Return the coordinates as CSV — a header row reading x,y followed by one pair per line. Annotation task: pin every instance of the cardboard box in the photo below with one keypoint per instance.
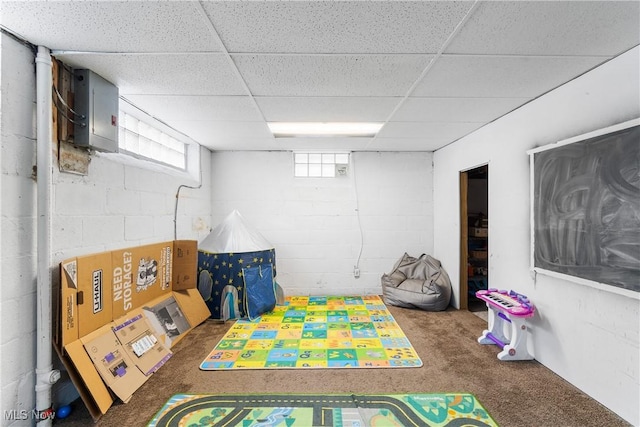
x,y
139,275
113,363
168,320
111,297
86,294
478,232
185,265
141,344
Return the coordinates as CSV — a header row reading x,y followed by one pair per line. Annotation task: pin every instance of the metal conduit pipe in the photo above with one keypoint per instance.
x,y
45,375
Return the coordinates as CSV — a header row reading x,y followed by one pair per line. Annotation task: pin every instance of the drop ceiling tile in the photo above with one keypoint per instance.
x,y
407,144
198,107
216,132
335,144
241,144
170,74
500,76
427,130
327,109
110,26
329,61
573,28
479,110
335,27
330,75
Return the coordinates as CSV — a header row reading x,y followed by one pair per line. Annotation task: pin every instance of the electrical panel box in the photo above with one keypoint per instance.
x,y
96,101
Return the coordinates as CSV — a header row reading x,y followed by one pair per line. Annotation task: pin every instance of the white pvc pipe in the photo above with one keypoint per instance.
x,y
45,376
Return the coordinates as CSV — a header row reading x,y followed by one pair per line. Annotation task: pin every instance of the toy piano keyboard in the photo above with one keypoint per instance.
x,y
513,308
511,302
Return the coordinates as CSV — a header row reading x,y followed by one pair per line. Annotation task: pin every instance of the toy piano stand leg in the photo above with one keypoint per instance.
x,y
501,312
517,348
495,335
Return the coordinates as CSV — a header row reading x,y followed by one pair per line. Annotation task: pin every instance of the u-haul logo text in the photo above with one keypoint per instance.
x,y
97,291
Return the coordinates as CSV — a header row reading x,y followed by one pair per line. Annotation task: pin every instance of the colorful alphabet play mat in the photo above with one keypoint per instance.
x,y
316,332
339,410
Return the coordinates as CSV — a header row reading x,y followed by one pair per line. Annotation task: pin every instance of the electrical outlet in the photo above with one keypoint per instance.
x,y
356,272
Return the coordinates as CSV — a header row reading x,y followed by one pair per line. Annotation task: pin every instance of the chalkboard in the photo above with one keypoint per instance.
x,y
586,207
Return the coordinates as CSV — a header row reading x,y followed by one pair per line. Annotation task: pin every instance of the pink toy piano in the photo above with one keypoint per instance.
x,y
507,307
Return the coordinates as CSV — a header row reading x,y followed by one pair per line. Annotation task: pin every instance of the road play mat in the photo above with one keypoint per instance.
x,y
316,332
339,410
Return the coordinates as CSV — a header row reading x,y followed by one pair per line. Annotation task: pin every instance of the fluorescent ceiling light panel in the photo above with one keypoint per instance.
x,y
323,129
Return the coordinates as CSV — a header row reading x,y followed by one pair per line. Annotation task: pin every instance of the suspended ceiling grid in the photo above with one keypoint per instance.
x,y
431,71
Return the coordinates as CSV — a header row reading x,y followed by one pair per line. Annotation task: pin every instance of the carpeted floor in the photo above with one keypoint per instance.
x,y
518,394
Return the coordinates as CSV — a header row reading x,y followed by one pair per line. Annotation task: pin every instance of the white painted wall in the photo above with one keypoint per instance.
x,y
119,204
313,223
588,336
2,91
122,204
17,247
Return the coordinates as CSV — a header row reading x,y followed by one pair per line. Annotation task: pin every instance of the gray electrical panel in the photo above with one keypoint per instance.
x,y
96,101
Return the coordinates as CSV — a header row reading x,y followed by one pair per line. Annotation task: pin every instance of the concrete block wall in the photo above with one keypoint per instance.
x,y
18,228
121,203
313,222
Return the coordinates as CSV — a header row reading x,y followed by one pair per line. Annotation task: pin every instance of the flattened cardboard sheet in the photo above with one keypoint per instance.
x,y
193,306
185,265
113,363
85,377
139,275
68,322
94,293
86,295
140,343
99,288
168,320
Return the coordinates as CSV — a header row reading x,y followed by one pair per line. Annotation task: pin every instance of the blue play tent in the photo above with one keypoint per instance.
x,y
231,259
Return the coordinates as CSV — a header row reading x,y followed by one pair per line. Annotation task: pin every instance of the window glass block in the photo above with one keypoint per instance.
x,y
328,158
301,170
342,158
315,170
144,139
328,171
315,158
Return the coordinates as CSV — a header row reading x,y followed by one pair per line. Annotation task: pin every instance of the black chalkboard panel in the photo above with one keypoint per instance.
x,y
586,208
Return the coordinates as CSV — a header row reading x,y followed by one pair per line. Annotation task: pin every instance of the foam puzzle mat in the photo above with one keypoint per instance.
x,y
339,410
316,332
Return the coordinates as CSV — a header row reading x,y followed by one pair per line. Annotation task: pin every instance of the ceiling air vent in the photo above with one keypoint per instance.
x,y
342,169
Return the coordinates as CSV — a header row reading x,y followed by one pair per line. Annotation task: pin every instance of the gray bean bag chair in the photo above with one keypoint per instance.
x,y
417,283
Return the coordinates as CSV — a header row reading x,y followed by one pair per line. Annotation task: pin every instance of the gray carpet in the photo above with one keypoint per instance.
x,y
521,394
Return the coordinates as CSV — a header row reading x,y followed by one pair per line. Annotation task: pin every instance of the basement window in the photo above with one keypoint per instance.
x,y
320,165
145,137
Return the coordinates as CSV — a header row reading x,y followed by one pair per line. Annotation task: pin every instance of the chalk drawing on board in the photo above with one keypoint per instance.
x,y
586,208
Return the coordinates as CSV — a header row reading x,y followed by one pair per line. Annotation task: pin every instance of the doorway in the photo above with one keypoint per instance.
x,y
474,236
